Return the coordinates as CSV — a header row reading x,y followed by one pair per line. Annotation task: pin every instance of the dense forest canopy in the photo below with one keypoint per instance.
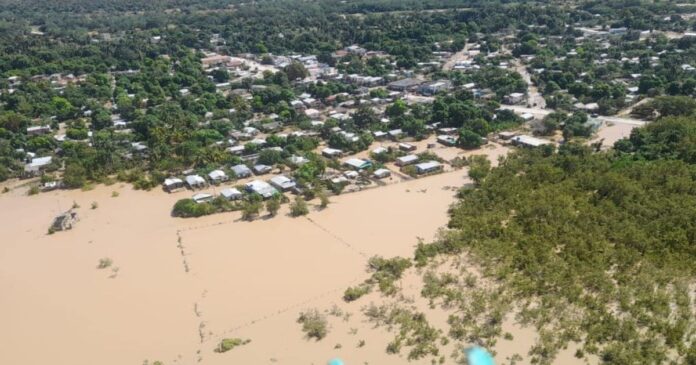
x,y
596,248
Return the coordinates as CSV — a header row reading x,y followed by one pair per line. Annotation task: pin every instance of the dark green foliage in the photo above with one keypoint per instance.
x,y
602,235
668,138
187,208
479,168
228,344
469,139
355,292
385,272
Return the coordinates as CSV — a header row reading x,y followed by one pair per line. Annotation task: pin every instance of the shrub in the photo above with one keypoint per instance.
x,y
299,207
104,263
75,176
387,271
228,344
95,205
250,210
355,292
314,324
410,170
272,206
187,208
323,199
33,190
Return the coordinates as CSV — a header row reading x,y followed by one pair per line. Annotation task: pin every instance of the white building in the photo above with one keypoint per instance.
x,y
195,182
283,183
217,176
262,188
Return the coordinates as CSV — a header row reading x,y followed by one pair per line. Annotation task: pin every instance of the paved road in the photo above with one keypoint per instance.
x,y
540,113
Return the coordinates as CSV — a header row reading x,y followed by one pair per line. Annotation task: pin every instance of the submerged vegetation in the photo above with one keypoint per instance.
x,y
314,324
594,248
228,344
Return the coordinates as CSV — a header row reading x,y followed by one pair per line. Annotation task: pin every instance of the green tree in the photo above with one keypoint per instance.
x,y
295,71
479,168
468,139
75,175
299,207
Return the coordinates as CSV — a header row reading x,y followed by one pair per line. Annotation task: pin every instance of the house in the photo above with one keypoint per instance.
x,y
357,163
434,87
261,169
38,130
215,60
312,113
258,141
379,134
241,171
590,107
64,221
404,85
528,141
527,117
381,173
351,175
202,198
271,126
236,150
407,147
297,160
231,194
514,98
262,188
217,176
140,148
406,160
297,105
172,184
380,150
37,164
396,133
428,167
283,183
195,182
447,140
506,135
356,50
331,152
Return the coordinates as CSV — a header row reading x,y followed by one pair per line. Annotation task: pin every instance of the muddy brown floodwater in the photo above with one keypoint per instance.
x,y
176,287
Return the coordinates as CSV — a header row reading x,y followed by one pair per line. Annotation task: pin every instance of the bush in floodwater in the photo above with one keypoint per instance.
x,y
228,344
355,292
299,207
314,324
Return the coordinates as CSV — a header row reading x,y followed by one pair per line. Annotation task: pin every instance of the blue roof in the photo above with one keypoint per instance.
x,y
479,356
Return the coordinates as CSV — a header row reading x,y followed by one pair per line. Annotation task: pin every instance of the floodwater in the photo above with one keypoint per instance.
x,y
176,287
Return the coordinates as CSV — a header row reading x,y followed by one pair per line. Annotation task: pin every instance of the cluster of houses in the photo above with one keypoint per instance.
x,y
58,81
266,189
